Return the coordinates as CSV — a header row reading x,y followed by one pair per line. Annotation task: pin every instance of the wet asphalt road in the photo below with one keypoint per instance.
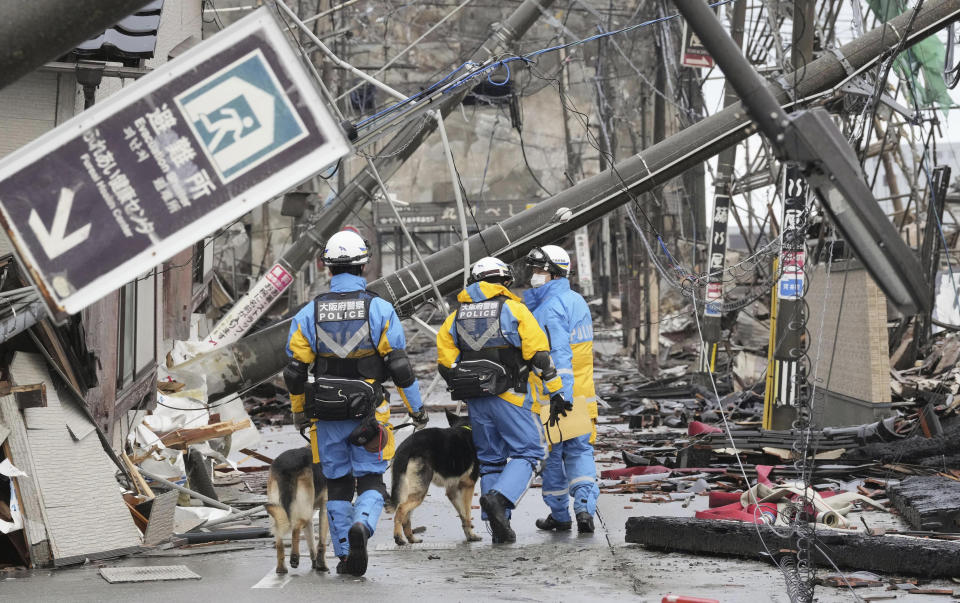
x,y
540,567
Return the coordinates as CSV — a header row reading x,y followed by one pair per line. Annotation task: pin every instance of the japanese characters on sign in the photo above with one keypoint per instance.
x,y
164,162
718,249
791,282
242,316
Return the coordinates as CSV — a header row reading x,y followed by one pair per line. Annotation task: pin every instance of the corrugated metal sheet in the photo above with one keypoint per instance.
x,y
85,514
147,573
162,511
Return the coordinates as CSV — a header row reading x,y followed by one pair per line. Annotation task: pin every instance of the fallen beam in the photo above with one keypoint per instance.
x,y
888,554
928,503
183,437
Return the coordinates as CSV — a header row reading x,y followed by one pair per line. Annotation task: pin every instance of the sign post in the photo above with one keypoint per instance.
x,y
165,162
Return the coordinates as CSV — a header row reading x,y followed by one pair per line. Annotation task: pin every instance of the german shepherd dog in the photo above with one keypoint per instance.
x,y
295,488
446,457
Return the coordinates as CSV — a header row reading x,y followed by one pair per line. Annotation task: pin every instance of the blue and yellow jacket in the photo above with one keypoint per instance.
x,y
565,316
383,319
517,325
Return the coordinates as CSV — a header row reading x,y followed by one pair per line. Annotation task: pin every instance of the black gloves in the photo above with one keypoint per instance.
x,y
558,408
300,421
369,434
419,418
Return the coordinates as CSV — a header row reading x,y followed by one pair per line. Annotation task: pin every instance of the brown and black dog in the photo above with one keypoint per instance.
x,y
446,457
296,487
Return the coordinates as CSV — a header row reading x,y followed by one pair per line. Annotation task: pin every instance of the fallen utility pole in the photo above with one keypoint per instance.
x,y
360,189
251,360
898,555
36,31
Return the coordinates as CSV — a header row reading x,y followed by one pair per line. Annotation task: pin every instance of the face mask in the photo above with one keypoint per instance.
x,y
538,280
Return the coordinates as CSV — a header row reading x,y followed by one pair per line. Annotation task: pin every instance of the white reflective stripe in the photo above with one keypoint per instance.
x,y
343,350
563,492
478,344
565,371
581,479
584,398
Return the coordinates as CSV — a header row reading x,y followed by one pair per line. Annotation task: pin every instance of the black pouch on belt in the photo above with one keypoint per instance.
x,y
338,399
477,379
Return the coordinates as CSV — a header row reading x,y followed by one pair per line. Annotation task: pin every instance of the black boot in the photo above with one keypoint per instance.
x,y
495,505
552,524
342,566
356,561
584,523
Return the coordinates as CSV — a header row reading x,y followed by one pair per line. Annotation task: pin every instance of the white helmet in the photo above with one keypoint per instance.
x,y
490,267
551,258
346,248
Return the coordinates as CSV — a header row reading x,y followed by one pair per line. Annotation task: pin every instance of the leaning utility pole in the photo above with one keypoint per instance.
x,y
253,359
716,255
789,377
361,188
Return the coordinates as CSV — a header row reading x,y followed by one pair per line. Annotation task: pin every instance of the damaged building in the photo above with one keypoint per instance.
x,y
757,202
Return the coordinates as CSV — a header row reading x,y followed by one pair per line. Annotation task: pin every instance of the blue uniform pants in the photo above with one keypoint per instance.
x,y
510,444
570,472
339,458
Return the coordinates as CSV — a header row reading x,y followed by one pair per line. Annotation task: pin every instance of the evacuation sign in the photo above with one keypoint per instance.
x,y
694,53
165,162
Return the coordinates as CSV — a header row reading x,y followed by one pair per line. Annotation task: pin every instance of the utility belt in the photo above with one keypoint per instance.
x,y
340,398
482,378
366,367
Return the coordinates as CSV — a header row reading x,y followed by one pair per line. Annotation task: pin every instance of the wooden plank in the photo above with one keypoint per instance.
x,y
17,449
52,343
138,480
260,457
181,438
101,323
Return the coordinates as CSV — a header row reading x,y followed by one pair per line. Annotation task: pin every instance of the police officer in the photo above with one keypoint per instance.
x,y
564,315
486,351
351,341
